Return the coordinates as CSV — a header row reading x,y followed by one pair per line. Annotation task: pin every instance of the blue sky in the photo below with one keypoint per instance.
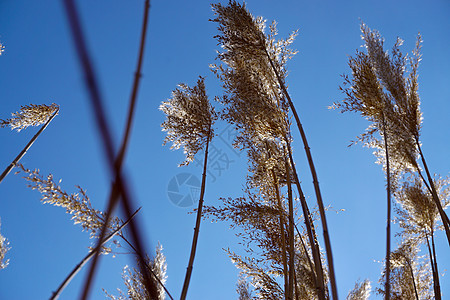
x,y
39,66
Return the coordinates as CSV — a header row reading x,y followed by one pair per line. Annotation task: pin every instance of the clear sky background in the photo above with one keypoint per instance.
x,y
39,66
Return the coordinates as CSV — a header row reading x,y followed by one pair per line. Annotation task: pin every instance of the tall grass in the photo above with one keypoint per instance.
x,y
277,225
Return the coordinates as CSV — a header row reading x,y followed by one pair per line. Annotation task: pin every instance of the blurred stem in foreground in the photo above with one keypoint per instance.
x,y
120,185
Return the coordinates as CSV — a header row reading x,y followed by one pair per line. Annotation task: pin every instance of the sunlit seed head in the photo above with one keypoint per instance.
x,y
189,119
30,115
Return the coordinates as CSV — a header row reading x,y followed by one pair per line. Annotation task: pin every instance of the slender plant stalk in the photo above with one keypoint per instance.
x,y
80,265
320,285
27,147
97,104
197,224
412,276
315,182
148,268
297,291
306,253
424,181
388,218
433,269
283,240
291,233
443,215
438,286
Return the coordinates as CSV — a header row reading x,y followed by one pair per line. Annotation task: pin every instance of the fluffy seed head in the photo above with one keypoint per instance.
x,y
30,115
189,119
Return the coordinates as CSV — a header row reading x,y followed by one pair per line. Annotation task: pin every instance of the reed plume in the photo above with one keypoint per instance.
x,y
3,249
134,280
243,288
29,115
189,119
361,291
410,274
77,204
257,216
419,217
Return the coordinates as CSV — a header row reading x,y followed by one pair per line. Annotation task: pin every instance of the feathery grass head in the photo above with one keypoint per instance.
x,y
2,48
304,274
419,215
392,72
78,204
243,288
266,160
189,120
134,280
30,115
3,249
240,31
382,92
242,37
263,279
254,101
410,273
257,215
361,291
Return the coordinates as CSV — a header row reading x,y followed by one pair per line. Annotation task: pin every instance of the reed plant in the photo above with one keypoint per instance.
x,y
253,74
189,124
29,115
383,91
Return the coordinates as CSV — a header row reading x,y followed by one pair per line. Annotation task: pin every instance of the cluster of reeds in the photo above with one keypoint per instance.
x,y
278,226
383,88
